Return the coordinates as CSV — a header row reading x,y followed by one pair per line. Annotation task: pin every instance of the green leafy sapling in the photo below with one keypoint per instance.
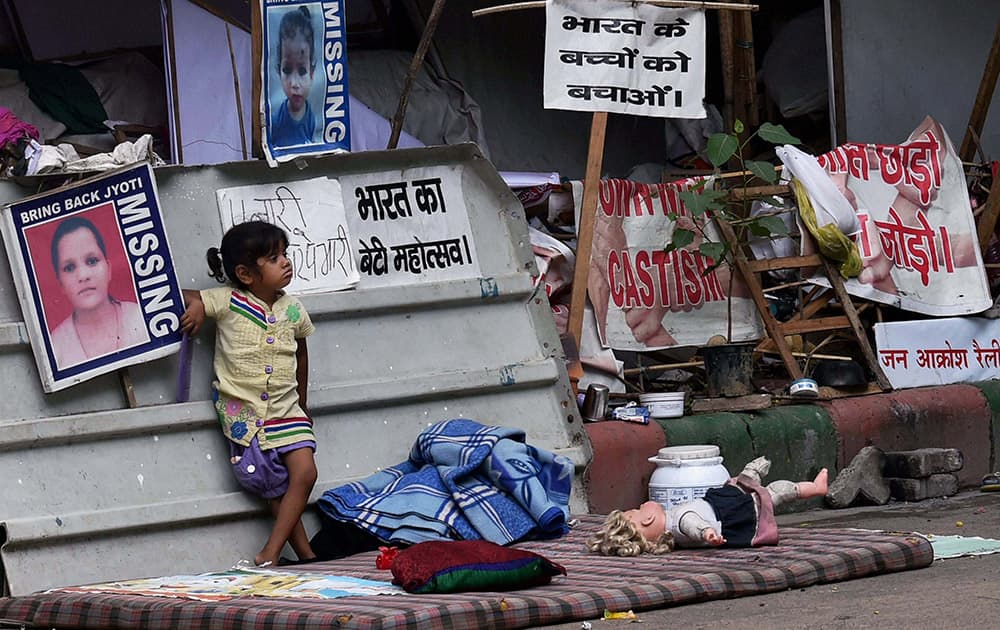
x,y
705,202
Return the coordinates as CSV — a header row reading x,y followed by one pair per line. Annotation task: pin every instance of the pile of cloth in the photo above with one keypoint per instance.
x,y
462,481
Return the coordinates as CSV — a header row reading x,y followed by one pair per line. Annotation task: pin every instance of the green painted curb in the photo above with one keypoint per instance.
x,y
798,439
991,392
728,431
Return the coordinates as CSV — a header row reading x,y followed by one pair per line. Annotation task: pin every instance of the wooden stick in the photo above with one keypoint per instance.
x,y
661,367
236,84
585,238
807,355
988,219
981,106
411,74
125,380
682,4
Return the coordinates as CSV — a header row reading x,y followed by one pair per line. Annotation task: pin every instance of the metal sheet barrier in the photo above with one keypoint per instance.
x,y
96,491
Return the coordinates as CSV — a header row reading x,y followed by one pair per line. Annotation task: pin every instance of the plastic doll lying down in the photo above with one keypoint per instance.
x,y
739,514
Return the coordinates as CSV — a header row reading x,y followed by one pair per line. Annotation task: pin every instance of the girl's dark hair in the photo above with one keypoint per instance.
x,y
68,226
243,244
292,23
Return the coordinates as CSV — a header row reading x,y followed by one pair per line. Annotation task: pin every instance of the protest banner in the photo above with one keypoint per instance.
x,y
629,58
411,227
304,95
645,298
94,276
918,238
939,351
311,212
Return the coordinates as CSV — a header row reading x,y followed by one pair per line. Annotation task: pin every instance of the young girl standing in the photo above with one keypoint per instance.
x,y
261,370
293,122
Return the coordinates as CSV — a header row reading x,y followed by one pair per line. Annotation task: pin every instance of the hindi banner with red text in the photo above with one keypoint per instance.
x,y
918,237
645,298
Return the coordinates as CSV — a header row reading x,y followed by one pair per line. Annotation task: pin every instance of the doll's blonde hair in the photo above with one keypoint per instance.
x,y
619,537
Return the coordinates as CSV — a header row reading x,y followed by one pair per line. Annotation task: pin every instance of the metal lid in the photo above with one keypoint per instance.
x,y
692,451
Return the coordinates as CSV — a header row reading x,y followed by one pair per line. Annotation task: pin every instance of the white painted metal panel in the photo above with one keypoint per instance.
x,y
94,491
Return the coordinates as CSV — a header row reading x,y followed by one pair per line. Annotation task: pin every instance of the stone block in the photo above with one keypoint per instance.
x,y
922,462
939,485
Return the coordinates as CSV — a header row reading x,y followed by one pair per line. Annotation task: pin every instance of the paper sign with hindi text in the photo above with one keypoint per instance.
x,y
411,226
624,57
939,351
312,214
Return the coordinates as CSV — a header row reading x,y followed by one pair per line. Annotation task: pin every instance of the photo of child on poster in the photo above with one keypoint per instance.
x,y
94,276
304,72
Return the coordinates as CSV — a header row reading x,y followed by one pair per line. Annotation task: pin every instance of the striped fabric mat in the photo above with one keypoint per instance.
x,y
593,584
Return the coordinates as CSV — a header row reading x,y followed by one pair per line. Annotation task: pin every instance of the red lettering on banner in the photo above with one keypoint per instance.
x,y
914,247
622,198
647,296
916,163
865,244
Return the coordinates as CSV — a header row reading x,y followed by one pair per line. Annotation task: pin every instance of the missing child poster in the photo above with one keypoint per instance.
x,y
624,57
311,212
304,95
94,276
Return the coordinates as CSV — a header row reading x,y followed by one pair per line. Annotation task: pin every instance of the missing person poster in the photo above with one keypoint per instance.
x,y
94,276
304,96
628,58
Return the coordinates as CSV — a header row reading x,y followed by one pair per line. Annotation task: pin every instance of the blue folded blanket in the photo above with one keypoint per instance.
x,y
463,481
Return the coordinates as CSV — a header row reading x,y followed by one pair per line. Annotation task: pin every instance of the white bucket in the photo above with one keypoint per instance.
x,y
664,405
685,473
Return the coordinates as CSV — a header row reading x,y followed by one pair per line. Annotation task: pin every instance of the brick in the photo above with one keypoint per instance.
x,y
862,477
939,485
922,462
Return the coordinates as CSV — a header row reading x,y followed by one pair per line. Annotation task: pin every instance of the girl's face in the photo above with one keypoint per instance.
x,y
296,72
83,271
274,272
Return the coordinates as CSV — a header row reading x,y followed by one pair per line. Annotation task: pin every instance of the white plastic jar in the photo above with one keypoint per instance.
x,y
684,473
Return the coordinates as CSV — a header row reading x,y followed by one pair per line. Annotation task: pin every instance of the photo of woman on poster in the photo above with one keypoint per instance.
x,y
293,44
100,323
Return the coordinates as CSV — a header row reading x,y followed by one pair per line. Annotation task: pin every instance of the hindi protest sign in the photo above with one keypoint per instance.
x,y
94,276
648,299
411,227
304,96
312,214
918,238
628,58
939,351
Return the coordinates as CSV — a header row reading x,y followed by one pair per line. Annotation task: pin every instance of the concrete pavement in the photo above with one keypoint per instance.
x,y
802,438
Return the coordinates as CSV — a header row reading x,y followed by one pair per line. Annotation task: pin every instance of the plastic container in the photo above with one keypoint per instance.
x,y
665,405
684,473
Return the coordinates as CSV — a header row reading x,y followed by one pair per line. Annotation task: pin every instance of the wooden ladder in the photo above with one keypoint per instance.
x,y
750,270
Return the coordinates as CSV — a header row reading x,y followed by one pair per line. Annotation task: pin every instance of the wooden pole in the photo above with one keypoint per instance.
x,y
236,85
988,219
679,4
981,106
411,74
257,54
585,233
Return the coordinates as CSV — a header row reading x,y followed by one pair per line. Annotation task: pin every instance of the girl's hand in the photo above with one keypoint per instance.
x,y
194,314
